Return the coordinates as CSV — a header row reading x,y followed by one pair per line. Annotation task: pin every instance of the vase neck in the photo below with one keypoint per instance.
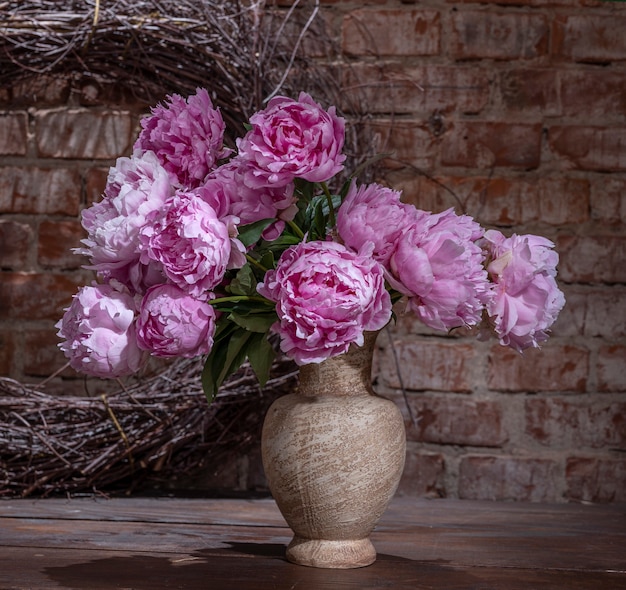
x,y
343,375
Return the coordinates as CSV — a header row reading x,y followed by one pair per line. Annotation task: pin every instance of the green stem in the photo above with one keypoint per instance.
x,y
296,229
331,210
256,263
235,298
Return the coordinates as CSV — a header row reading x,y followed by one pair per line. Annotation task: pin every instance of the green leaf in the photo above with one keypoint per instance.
x,y
312,210
223,330
283,242
317,214
210,372
261,355
318,228
251,233
236,353
244,282
305,193
224,360
305,189
268,260
216,358
336,201
254,322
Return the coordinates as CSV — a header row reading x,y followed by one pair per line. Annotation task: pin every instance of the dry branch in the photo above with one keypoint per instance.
x,y
159,427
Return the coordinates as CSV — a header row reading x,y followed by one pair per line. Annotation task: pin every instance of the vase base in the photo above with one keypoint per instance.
x,y
343,554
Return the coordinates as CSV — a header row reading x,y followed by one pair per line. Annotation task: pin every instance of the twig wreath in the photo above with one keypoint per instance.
x,y
146,434
246,52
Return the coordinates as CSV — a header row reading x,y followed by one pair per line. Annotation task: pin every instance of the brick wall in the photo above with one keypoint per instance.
x,y
514,112
55,150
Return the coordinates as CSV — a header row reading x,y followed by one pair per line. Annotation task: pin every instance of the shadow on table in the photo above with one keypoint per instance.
x,y
244,566
260,566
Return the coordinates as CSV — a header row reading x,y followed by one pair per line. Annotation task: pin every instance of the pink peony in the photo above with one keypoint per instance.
x,y
99,332
190,243
173,323
187,137
527,299
292,139
227,185
374,213
326,296
136,187
440,267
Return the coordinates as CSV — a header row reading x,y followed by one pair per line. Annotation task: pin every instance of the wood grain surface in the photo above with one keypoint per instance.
x,y
150,543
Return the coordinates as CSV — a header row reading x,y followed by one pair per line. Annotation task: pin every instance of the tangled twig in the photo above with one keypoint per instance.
x,y
120,441
242,51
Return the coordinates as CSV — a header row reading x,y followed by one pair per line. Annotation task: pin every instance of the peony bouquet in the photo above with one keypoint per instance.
x,y
199,249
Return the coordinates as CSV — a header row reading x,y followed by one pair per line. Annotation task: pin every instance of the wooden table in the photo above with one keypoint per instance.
x,y
149,543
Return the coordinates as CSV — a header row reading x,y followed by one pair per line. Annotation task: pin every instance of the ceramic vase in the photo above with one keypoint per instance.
x,y
333,454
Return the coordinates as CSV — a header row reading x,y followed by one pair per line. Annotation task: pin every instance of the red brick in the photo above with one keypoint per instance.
x,y
460,336
571,320
41,355
437,193
552,368
15,241
83,134
502,201
531,91
526,3
608,199
499,200
429,364
8,347
322,27
41,89
569,423
455,420
600,149
423,475
596,479
515,201
589,259
563,200
592,312
392,32
322,2
32,296
593,93
509,478
610,368
52,191
13,134
485,144
406,141
605,313
394,87
564,92
480,34
589,38
95,183
56,240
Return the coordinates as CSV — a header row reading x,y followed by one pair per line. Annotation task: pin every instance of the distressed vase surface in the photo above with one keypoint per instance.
x,y
333,454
